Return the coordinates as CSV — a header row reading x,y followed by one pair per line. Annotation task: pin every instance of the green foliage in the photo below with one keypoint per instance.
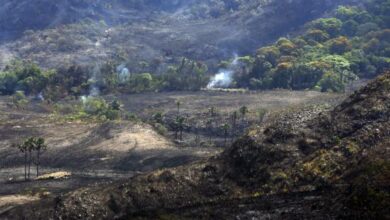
x,y
189,75
331,82
332,26
161,129
332,52
75,80
140,83
99,108
19,100
339,45
316,35
27,77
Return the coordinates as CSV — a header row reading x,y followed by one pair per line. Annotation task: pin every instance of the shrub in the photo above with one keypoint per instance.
x,y
98,108
19,100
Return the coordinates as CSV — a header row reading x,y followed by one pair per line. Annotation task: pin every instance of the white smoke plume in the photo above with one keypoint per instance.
x,y
224,78
123,73
94,90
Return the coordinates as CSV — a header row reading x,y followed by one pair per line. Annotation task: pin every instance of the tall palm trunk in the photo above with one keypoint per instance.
x,y
226,135
25,165
38,154
29,164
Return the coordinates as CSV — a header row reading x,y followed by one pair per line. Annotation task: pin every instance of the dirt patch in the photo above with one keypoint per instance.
x,y
13,200
137,137
56,176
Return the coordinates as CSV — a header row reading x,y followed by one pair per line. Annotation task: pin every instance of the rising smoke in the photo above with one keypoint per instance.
x,y
224,78
123,73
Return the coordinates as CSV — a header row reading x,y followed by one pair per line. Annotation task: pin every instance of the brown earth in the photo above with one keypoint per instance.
x,y
304,163
99,153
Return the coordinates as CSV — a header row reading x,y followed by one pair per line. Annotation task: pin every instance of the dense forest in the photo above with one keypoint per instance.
x,y
332,51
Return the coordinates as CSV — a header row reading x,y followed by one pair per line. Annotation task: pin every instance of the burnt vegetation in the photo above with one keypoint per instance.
x,y
203,109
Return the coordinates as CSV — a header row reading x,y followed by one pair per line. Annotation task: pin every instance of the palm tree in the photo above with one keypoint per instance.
x,y
212,111
23,148
226,132
234,123
40,146
30,145
209,124
180,123
178,103
243,111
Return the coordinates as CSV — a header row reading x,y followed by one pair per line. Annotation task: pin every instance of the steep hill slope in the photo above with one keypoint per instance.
x,y
152,31
307,163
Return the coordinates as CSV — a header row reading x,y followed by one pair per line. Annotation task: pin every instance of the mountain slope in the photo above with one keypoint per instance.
x,y
307,162
152,31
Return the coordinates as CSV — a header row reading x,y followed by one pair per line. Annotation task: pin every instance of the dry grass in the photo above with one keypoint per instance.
x,y
13,200
55,176
137,137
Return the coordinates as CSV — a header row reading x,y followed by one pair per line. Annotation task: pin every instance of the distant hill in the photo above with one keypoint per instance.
x,y
82,32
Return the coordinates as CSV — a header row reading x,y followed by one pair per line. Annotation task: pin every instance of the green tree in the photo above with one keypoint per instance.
x,y
340,45
316,35
332,26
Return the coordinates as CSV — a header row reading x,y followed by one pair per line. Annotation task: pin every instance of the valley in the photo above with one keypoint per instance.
x,y
102,152
194,109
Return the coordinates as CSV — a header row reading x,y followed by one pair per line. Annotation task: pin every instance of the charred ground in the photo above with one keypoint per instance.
x,y
303,164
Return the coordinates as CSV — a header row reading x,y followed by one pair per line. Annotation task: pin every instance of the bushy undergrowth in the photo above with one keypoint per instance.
x,y
91,108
